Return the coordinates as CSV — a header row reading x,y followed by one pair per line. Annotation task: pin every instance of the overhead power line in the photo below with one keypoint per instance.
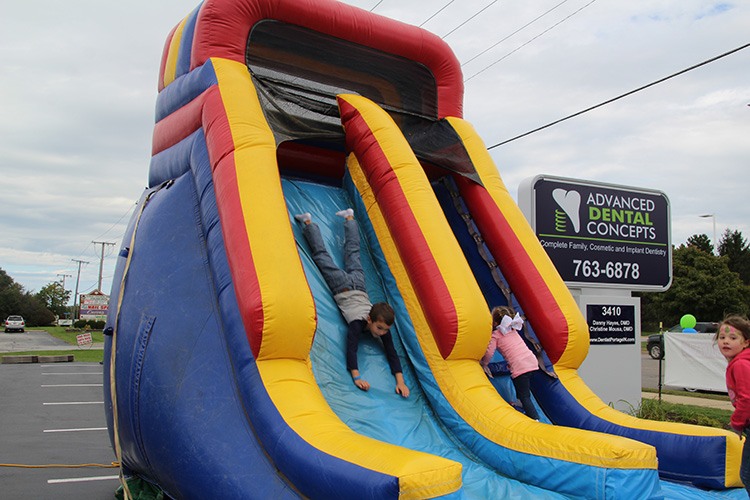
x,y
436,13
518,30
373,8
528,42
130,209
472,17
707,61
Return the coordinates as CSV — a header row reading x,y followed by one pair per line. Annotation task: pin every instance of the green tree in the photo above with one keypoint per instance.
x,y
11,296
701,242
35,312
702,285
15,300
734,246
54,297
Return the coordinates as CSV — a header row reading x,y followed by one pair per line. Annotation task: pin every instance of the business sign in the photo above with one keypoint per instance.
x,y
602,234
84,339
94,306
611,323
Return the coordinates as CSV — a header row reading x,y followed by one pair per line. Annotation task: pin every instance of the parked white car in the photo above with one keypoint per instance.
x,y
14,323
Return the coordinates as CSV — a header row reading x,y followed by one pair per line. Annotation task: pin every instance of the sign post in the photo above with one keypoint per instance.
x,y
606,241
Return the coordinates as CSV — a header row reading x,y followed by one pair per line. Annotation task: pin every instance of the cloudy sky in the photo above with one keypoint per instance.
x,y
78,87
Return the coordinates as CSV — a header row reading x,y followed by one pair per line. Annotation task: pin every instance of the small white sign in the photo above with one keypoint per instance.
x,y
84,339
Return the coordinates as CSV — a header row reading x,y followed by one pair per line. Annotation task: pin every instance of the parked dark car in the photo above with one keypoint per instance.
x,y
655,345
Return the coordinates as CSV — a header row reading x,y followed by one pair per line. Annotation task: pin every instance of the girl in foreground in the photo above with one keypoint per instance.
x,y
733,338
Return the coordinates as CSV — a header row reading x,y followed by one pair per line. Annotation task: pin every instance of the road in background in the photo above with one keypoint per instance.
x,y
650,372
32,340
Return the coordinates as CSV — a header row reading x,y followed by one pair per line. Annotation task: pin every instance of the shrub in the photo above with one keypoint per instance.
x,y
89,324
652,409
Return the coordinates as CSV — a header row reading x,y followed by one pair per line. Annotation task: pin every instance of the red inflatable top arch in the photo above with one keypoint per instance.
x,y
222,29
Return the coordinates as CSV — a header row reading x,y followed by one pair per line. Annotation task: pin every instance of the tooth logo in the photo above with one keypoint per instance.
x,y
570,202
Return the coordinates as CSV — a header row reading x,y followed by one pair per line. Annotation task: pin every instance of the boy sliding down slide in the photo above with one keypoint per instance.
x,y
350,294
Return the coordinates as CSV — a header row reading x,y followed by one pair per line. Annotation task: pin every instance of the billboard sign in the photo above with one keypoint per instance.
x,y
601,234
94,306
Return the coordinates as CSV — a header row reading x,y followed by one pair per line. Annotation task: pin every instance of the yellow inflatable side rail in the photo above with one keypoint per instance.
x,y
275,300
415,238
560,325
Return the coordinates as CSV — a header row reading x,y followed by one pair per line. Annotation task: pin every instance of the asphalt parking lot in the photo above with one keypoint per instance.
x,y
53,413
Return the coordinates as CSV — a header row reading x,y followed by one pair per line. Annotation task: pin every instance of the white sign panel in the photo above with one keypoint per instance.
x,y
612,368
693,361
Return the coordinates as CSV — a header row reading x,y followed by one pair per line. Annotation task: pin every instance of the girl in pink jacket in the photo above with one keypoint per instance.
x,y
522,363
733,338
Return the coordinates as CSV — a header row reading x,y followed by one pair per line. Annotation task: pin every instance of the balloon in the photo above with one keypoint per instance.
x,y
687,321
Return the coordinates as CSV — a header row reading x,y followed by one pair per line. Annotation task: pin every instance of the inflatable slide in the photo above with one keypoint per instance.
x,y
224,357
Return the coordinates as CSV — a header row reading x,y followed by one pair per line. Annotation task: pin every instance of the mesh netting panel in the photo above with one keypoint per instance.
x,y
298,73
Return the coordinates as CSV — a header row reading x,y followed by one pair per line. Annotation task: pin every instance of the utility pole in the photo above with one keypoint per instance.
x,y
78,279
63,278
713,219
101,260
63,288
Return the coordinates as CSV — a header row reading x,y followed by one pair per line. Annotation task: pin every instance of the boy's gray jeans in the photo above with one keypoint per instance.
x,y
338,280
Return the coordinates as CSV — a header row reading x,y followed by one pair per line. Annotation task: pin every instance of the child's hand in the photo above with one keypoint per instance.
x,y
486,369
402,389
362,384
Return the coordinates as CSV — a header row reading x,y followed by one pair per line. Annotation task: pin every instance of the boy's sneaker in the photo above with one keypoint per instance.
x,y
347,212
306,217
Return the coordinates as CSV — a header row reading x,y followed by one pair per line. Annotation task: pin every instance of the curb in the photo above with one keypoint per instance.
x,y
17,360
688,400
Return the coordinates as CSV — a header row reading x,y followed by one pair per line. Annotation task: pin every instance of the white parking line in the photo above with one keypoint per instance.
x,y
75,403
81,479
72,385
83,429
66,365
73,373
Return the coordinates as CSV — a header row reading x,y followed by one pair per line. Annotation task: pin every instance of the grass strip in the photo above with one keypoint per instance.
x,y
81,355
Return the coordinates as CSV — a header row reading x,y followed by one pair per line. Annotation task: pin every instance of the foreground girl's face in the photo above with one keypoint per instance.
x,y
731,341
